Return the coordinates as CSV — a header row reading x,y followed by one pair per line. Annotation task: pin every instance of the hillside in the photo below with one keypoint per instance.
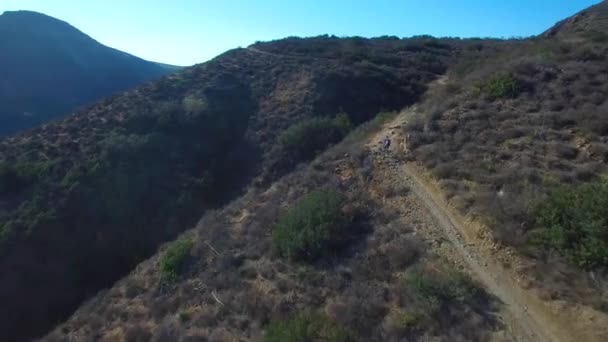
x,y
50,68
484,220
86,198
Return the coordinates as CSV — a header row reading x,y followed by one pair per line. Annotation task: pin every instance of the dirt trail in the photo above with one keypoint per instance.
x,y
528,318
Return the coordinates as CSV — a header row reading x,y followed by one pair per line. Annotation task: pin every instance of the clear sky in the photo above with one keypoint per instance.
x,y
185,32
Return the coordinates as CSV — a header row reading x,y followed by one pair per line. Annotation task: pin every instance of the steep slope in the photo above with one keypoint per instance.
x,y
531,316
512,121
379,281
517,142
590,22
49,68
85,199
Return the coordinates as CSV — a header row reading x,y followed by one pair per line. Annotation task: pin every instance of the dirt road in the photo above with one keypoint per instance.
x,y
528,318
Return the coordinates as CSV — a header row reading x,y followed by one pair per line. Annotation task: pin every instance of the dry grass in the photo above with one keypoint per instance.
x,y
495,157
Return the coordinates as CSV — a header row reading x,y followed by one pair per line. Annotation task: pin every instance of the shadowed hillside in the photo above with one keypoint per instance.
x,y
49,68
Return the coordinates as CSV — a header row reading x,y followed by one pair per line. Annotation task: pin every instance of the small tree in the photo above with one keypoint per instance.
x,y
173,261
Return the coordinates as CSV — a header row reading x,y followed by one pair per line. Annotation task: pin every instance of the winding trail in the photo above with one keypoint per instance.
x,y
527,317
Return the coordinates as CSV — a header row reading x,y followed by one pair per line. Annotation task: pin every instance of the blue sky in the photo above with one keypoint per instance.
x,y
186,32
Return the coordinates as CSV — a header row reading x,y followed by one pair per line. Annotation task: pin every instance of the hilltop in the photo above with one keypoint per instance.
x,y
49,68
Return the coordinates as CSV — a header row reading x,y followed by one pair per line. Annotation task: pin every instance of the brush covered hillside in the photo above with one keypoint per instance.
x,y
346,247
292,225
84,199
50,68
519,140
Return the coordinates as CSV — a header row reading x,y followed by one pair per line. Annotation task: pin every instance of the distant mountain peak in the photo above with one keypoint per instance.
x,y
50,68
30,15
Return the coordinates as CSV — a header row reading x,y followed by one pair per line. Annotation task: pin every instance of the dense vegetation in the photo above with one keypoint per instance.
x,y
140,183
49,68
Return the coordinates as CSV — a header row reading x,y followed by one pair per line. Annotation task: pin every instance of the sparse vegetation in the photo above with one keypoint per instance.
x,y
304,328
495,159
175,258
573,221
430,297
312,227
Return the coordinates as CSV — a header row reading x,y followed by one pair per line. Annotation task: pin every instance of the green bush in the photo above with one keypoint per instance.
x,y
503,85
434,290
305,328
311,227
306,139
574,221
173,261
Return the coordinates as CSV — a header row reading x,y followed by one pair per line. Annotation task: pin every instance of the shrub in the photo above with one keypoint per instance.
x,y
304,328
573,221
173,261
306,139
433,290
311,227
503,85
